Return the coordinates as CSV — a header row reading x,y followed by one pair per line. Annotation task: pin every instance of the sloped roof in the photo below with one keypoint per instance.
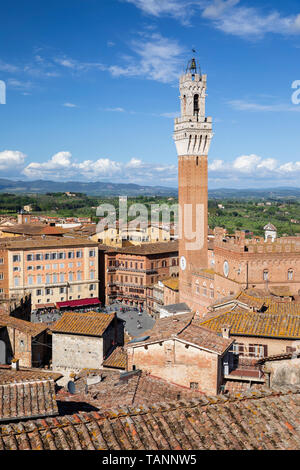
x,y
171,283
29,328
26,394
255,324
117,359
90,324
270,226
261,420
184,328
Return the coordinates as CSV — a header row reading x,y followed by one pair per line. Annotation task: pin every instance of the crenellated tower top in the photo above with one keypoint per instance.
x,y
193,131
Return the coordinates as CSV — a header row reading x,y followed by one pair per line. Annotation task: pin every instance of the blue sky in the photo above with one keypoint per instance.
x,y
92,89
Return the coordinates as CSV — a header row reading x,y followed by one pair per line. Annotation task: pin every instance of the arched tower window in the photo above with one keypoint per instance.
x,y
184,104
266,275
196,104
290,274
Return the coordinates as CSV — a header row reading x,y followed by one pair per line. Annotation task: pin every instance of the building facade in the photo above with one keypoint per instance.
x,y
129,272
50,269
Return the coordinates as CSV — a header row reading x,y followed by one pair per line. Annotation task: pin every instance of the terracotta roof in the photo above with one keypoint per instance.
x,y
117,359
10,376
270,226
172,283
124,389
255,324
165,327
149,248
266,420
32,329
90,324
184,328
204,338
21,243
26,394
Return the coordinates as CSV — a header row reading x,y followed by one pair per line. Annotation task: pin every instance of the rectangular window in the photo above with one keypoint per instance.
x,y
39,257
53,255
16,268
47,256
39,279
92,253
1,276
61,255
39,292
48,279
16,281
78,254
70,276
29,257
92,275
71,254
61,277
1,260
54,277
194,385
79,276
16,258
70,265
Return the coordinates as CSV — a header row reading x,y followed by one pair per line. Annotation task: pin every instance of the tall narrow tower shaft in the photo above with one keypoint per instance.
x,y
193,133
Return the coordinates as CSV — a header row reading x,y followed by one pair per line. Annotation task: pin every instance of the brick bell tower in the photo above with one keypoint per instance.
x,y
193,133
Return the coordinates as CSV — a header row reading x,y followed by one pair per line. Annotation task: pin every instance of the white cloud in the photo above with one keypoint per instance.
x,y
11,160
77,66
116,110
18,84
251,170
156,58
248,170
229,16
181,10
241,105
70,105
61,166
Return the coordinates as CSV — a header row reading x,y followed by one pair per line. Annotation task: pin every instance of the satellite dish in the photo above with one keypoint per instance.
x,y
71,387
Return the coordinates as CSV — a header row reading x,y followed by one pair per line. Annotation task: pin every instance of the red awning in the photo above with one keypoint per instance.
x,y
40,306
78,303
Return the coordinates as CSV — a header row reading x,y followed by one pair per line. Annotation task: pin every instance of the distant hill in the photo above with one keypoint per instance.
x,y
92,189
267,193
101,188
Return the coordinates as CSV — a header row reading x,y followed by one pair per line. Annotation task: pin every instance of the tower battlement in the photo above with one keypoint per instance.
x,y
239,243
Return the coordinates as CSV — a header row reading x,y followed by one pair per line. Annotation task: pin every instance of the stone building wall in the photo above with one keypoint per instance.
x,y
72,353
171,360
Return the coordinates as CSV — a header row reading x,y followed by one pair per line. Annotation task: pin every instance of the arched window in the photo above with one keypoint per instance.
x,y
184,104
290,274
196,104
212,291
204,289
266,275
